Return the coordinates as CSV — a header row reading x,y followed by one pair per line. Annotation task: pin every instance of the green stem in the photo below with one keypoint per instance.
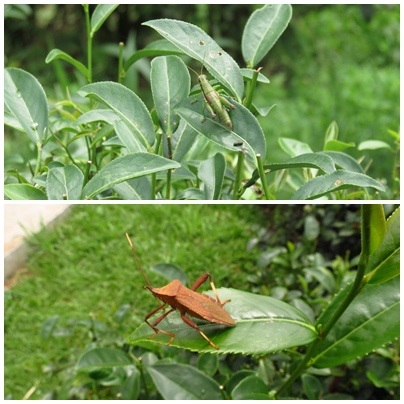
x,y
170,156
251,88
237,183
38,158
263,178
120,62
357,286
89,44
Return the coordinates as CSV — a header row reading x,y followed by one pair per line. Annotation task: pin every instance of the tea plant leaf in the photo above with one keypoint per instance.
x,y
101,358
211,172
126,136
23,192
335,181
58,54
130,389
371,321
373,145
182,141
162,47
246,133
264,325
97,115
337,145
136,189
263,29
176,381
100,14
251,388
345,161
125,168
294,147
64,183
127,105
26,100
384,263
194,42
377,226
308,160
170,83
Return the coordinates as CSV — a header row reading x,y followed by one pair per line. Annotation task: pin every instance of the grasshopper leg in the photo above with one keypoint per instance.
x,y
226,102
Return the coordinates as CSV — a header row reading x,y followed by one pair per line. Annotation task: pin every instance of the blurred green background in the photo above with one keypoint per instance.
x,y
334,62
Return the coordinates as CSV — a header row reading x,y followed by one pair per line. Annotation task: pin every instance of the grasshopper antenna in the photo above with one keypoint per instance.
x,y
137,260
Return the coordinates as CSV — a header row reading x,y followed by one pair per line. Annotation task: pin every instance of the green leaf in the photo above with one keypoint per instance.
x,y
131,388
197,44
170,83
136,189
211,172
384,263
64,183
182,141
100,14
208,364
183,382
191,193
23,192
308,160
125,168
345,161
58,54
97,115
48,326
264,325
377,226
373,145
246,133
249,387
162,47
128,138
127,105
263,29
335,181
99,358
331,133
312,387
26,100
371,321
293,147
337,145
170,272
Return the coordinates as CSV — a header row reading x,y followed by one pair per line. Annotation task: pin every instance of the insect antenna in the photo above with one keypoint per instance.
x,y
138,261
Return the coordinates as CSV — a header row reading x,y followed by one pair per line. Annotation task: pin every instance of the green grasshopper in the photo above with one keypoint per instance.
x,y
215,103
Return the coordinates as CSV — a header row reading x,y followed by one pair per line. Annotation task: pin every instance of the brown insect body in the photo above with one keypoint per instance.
x,y
195,304
186,301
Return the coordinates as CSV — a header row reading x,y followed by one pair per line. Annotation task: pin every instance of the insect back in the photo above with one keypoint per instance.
x,y
215,103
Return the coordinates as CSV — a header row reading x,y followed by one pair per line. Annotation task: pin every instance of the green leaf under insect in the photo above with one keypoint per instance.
x,y
271,324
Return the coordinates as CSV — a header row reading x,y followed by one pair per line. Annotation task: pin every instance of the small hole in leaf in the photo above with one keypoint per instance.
x,y
201,43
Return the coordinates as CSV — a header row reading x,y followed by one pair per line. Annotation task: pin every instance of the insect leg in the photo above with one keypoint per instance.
x,y
155,322
201,280
226,102
209,108
193,325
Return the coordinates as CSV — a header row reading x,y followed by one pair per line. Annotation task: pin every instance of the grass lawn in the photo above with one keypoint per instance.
x,y
83,271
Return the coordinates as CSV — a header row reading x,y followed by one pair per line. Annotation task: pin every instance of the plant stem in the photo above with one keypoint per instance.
x,y
89,44
38,158
263,178
355,289
120,62
170,156
237,183
251,88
